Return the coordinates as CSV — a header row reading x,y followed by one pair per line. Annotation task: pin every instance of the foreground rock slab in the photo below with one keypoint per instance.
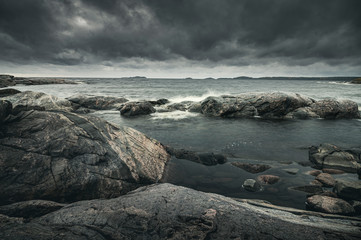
x,y
97,102
166,211
66,157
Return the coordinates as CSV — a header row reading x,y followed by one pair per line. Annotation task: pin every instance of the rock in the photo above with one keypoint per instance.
x,y
251,185
332,171
65,157
326,179
330,156
41,81
6,80
20,108
313,172
97,102
333,109
39,99
314,189
317,183
292,171
268,179
166,211
195,107
136,108
5,110
8,92
159,102
208,159
329,194
252,168
356,205
30,209
302,113
356,81
329,205
348,189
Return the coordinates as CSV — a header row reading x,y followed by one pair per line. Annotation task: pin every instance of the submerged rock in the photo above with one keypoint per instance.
x,y
251,185
136,108
252,168
30,100
97,102
348,189
309,189
329,205
292,171
166,211
64,157
268,179
330,156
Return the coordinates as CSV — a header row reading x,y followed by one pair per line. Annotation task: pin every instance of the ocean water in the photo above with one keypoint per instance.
x,y
282,144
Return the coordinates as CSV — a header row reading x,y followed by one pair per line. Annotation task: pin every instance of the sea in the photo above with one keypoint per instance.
x,y
282,144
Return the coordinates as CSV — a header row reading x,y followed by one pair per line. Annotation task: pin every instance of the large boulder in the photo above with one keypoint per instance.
x,y
331,156
29,100
6,80
136,108
8,92
333,109
329,205
64,157
97,102
166,211
5,110
348,189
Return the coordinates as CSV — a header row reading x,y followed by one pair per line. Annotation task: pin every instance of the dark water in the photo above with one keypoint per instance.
x,y
281,144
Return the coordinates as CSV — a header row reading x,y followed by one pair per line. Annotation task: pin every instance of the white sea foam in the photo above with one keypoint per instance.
x,y
175,115
197,98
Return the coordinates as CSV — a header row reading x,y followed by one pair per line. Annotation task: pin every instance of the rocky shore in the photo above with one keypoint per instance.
x,y
9,80
68,175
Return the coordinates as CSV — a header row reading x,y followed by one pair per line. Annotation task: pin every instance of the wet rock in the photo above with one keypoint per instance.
x,y
292,171
136,108
251,185
329,205
5,110
314,189
30,209
348,189
356,81
195,107
39,99
166,211
332,171
302,113
207,159
326,179
6,80
331,156
268,179
329,194
20,108
160,102
252,168
65,157
313,173
356,205
97,102
8,92
317,183
333,109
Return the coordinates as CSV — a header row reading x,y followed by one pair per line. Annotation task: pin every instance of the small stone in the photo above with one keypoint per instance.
x,y
315,182
251,185
313,172
329,205
326,179
332,171
268,179
292,171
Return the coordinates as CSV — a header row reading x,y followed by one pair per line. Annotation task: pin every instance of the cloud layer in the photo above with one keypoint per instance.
x,y
207,33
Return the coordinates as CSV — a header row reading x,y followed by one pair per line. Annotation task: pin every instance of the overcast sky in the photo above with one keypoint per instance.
x,y
180,38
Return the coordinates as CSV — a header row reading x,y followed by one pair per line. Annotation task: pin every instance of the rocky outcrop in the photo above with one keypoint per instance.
x,y
356,81
131,109
329,205
41,81
331,156
8,92
6,80
333,109
166,211
5,110
64,157
348,189
96,102
29,100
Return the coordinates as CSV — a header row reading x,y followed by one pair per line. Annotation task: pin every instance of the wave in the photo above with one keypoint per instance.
x,y
196,98
175,115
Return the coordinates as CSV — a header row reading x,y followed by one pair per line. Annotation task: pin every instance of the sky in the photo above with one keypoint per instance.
x,y
180,38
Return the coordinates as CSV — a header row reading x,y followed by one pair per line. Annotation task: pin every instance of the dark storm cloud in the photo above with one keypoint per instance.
x,y
229,32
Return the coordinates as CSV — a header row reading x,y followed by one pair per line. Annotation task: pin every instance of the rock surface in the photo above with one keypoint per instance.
x,y
252,168
171,212
5,110
30,99
268,179
251,185
97,102
329,205
348,189
8,92
136,108
356,81
64,157
333,109
330,156
41,81
326,179
6,80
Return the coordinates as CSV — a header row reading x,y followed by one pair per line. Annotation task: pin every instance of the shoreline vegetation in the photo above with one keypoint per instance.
x,y
67,175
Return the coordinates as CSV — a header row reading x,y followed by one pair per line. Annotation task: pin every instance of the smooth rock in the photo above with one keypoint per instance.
x,y
136,108
8,92
348,189
292,171
97,102
333,109
332,171
329,205
313,173
268,179
166,211
251,185
39,99
326,179
252,168
65,157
